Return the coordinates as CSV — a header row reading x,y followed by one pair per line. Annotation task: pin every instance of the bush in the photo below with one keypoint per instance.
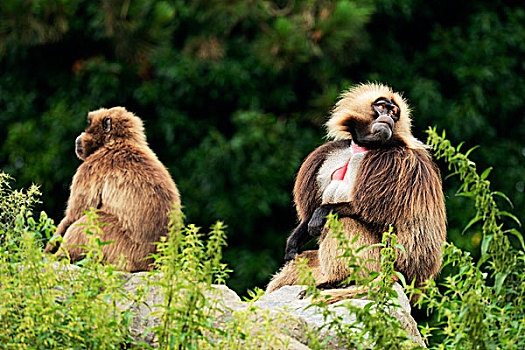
x,y
48,303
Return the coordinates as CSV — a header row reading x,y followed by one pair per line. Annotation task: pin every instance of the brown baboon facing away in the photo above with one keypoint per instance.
x,y
373,175
123,179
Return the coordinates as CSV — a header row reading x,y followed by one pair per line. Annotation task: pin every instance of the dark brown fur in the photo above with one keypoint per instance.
x,y
402,187
397,184
123,179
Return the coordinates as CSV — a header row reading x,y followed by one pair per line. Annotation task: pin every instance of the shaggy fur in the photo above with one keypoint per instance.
x,y
396,184
123,179
307,194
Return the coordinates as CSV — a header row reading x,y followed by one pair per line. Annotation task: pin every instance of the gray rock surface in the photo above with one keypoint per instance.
x,y
285,299
289,316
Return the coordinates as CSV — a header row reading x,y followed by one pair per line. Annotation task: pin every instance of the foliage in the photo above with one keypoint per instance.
x,y
212,79
479,305
205,76
234,94
188,267
40,308
13,203
253,328
462,72
48,303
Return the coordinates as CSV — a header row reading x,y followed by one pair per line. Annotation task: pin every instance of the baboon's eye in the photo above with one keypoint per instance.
x,y
88,121
394,111
106,124
383,105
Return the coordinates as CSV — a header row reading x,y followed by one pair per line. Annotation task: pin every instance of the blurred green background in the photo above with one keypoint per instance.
x,y
234,95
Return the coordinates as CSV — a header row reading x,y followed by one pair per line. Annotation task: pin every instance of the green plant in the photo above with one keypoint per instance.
x,y
250,85
187,268
192,316
14,203
254,328
46,303
480,304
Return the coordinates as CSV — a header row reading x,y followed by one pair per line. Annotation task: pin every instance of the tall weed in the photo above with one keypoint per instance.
x,y
188,267
481,304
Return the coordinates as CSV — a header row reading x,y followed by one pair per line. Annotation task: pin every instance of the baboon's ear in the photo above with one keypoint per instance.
x,y
106,124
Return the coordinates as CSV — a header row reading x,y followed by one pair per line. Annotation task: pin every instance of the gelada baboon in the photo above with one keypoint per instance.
x,y
374,174
123,179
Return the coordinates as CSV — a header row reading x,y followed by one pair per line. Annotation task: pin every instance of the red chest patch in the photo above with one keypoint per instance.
x,y
339,174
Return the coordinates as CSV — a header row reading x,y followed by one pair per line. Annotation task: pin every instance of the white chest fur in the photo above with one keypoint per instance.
x,y
339,190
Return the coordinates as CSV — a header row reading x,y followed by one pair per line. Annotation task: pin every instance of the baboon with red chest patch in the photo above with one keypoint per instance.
x,y
374,174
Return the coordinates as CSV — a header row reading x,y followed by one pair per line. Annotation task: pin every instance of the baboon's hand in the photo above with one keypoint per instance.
x,y
316,223
293,245
295,242
290,254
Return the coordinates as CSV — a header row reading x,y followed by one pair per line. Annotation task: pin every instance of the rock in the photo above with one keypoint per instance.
x,y
287,318
278,320
285,299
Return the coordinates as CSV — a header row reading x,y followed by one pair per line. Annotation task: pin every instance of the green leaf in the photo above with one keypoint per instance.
x,y
470,151
400,247
485,244
465,194
464,268
368,306
516,234
451,175
504,196
471,222
362,248
463,312
376,245
512,216
498,280
486,173
401,278
105,242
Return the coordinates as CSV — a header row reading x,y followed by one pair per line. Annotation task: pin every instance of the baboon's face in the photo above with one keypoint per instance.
x,y
373,116
378,127
105,126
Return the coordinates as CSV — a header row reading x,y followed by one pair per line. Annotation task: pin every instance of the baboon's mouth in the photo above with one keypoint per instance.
x,y
78,147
